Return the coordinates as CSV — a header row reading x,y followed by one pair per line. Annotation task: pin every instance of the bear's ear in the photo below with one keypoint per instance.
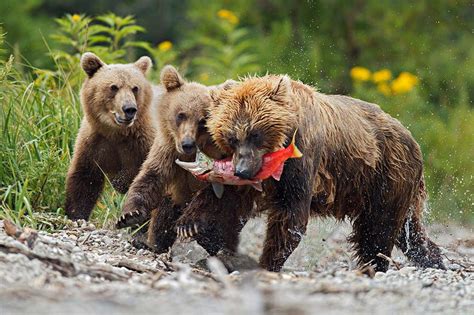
x,y
170,78
281,91
90,63
144,64
227,85
214,93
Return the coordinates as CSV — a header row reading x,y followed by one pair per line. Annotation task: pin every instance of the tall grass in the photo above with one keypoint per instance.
x,y
39,119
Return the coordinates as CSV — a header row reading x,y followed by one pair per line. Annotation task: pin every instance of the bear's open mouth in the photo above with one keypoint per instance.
x,y
122,121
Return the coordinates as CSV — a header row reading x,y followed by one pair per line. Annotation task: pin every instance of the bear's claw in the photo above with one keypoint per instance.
x,y
130,219
187,231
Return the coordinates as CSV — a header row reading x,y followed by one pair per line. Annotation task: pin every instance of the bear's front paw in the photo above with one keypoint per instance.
x,y
132,218
188,230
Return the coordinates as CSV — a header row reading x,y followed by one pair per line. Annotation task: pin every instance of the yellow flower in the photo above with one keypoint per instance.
x,y
228,15
384,89
204,77
404,83
360,74
76,18
381,75
165,46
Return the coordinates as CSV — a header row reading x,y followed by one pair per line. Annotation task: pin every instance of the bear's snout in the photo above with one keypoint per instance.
x,y
129,110
189,145
243,169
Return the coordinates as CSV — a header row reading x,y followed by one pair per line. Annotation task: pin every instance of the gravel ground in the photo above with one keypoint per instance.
x,y
82,270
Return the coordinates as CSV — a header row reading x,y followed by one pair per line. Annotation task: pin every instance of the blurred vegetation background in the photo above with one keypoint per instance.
x,y
415,59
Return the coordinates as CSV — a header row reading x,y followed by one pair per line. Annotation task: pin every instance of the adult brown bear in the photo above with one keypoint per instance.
x,y
358,163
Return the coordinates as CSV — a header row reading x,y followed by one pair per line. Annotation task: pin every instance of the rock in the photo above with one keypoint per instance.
x,y
407,270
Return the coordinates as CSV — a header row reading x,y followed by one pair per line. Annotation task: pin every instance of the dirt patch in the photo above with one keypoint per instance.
x,y
83,270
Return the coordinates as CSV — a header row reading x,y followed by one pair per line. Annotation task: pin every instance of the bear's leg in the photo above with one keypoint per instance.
x,y
139,240
290,203
285,229
161,230
84,184
215,223
374,232
416,245
123,179
148,187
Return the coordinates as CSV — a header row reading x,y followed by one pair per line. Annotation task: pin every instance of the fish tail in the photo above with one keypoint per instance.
x,y
296,153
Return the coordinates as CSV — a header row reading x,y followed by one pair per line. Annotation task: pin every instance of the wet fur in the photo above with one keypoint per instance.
x,y
358,163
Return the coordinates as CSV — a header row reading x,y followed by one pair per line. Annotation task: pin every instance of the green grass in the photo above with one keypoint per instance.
x,y
38,132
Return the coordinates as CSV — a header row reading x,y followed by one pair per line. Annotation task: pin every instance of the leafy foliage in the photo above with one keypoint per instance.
x,y
107,35
221,50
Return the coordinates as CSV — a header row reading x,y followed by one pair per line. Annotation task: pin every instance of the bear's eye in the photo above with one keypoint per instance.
x,y
114,88
256,138
233,142
135,89
202,124
180,117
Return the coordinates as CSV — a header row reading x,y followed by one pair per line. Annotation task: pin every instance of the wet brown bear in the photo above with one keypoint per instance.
x,y
358,162
116,132
162,187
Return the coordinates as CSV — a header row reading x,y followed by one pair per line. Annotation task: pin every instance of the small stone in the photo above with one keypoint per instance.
x,y
379,275
301,273
454,266
286,276
407,270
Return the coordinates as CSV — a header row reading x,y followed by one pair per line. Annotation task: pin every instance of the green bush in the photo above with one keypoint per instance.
x,y
446,138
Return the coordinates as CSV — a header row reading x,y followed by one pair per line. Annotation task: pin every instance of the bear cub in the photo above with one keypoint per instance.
x,y
116,132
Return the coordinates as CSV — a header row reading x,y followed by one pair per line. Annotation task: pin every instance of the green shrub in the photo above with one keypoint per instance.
x,y
446,139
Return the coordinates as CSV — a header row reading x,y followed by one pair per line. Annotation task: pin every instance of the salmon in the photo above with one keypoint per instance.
x,y
221,172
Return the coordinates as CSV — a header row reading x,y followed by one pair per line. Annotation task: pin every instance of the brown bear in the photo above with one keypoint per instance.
x,y
116,132
358,163
162,187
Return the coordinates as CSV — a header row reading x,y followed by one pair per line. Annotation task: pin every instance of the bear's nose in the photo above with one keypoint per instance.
x,y
188,145
243,173
129,110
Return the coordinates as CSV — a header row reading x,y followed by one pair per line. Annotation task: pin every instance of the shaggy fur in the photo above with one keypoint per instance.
x,y
104,145
162,188
358,162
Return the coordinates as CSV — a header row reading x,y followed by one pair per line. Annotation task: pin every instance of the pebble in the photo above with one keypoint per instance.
x,y
453,266
407,270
